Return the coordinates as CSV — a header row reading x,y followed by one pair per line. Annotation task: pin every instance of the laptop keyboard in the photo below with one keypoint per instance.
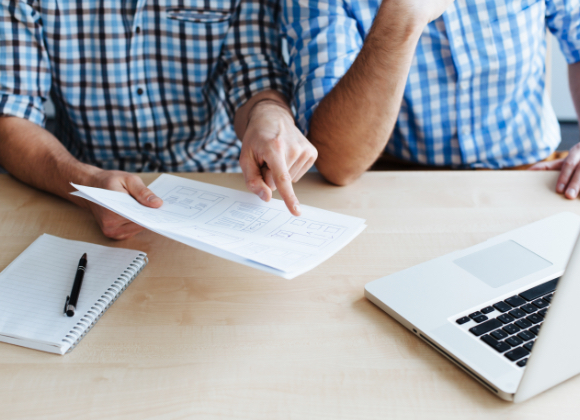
x,y
510,327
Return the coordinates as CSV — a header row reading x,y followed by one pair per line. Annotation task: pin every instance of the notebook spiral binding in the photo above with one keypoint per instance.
x,y
88,320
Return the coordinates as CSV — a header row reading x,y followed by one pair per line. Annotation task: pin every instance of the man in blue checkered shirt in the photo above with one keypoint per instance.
x,y
457,84
146,85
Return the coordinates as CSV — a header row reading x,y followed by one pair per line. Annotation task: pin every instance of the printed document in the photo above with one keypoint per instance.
x,y
236,225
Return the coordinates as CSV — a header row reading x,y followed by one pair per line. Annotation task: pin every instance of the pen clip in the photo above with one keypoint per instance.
x,y
65,305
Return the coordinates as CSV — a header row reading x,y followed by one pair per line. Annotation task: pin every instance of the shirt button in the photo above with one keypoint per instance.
x,y
139,91
148,147
138,29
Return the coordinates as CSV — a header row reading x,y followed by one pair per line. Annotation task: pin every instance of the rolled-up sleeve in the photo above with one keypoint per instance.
x,y
563,20
323,42
24,66
253,54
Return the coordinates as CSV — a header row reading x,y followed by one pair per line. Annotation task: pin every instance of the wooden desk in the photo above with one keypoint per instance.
x,y
199,337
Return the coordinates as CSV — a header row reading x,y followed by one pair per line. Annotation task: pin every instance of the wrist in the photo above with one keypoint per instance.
x,y
399,22
272,107
83,174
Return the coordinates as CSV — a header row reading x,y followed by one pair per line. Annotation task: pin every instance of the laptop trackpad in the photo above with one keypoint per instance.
x,y
502,263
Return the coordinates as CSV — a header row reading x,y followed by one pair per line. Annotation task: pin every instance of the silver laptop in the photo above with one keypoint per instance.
x,y
492,308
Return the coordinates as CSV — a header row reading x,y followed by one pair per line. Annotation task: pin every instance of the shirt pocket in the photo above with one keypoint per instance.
x,y
199,33
199,15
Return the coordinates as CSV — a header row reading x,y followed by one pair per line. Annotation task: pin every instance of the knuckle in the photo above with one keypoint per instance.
x,y
109,225
277,144
110,232
253,184
284,177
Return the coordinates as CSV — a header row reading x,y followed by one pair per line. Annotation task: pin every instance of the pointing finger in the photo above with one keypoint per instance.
x,y
283,181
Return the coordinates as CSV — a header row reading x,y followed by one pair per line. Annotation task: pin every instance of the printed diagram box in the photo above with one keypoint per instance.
x,y
307,232
245,217
189,202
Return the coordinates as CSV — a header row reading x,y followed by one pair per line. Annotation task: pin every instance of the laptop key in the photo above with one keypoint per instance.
x,y
529,345
540,303
498,346
534,318
542,312
463,320
502,307
506,319
529,308
480,318
517,313
548,298
522,362
485,327
539,291
511,329
514,341
517,354
523,323
487,310
475,314
499,334
526,336
535,329
515,301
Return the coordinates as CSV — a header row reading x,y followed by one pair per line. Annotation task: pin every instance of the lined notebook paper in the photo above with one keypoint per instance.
x,y
33,289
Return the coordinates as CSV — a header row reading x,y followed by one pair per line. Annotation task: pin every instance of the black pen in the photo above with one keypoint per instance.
x,y
70,305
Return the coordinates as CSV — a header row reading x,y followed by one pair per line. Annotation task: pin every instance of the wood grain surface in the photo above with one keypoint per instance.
x,y
199,337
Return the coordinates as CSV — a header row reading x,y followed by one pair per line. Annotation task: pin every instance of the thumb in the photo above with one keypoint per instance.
x,y
137,189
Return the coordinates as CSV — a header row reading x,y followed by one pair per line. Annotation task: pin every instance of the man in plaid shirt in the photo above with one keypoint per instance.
x,y
146,85
433,83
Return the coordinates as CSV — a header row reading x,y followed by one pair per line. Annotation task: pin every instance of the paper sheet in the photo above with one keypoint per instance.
x,y
236,225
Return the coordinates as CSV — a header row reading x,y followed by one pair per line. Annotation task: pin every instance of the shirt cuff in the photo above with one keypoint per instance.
x,y
26,107
254,81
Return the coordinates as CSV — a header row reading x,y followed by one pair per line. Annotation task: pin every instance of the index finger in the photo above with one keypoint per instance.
x,y
283,181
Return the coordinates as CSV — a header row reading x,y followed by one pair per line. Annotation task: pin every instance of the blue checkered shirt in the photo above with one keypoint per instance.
x,y
475,95
141,85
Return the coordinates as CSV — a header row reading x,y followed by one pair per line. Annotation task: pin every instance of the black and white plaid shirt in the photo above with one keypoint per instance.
x,y
141,85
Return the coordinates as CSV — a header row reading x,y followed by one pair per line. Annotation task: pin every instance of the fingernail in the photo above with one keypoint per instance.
x,y
262,195
297,208
153,199
571,192
561,187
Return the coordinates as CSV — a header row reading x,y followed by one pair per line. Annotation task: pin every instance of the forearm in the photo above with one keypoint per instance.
x,y
353,123
574,79
36,157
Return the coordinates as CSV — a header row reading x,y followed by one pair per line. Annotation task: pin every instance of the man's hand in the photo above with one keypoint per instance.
x,y
274,152
569,180
113,225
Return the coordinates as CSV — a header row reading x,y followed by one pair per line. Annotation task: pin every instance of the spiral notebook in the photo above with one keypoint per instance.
x,y
33,289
